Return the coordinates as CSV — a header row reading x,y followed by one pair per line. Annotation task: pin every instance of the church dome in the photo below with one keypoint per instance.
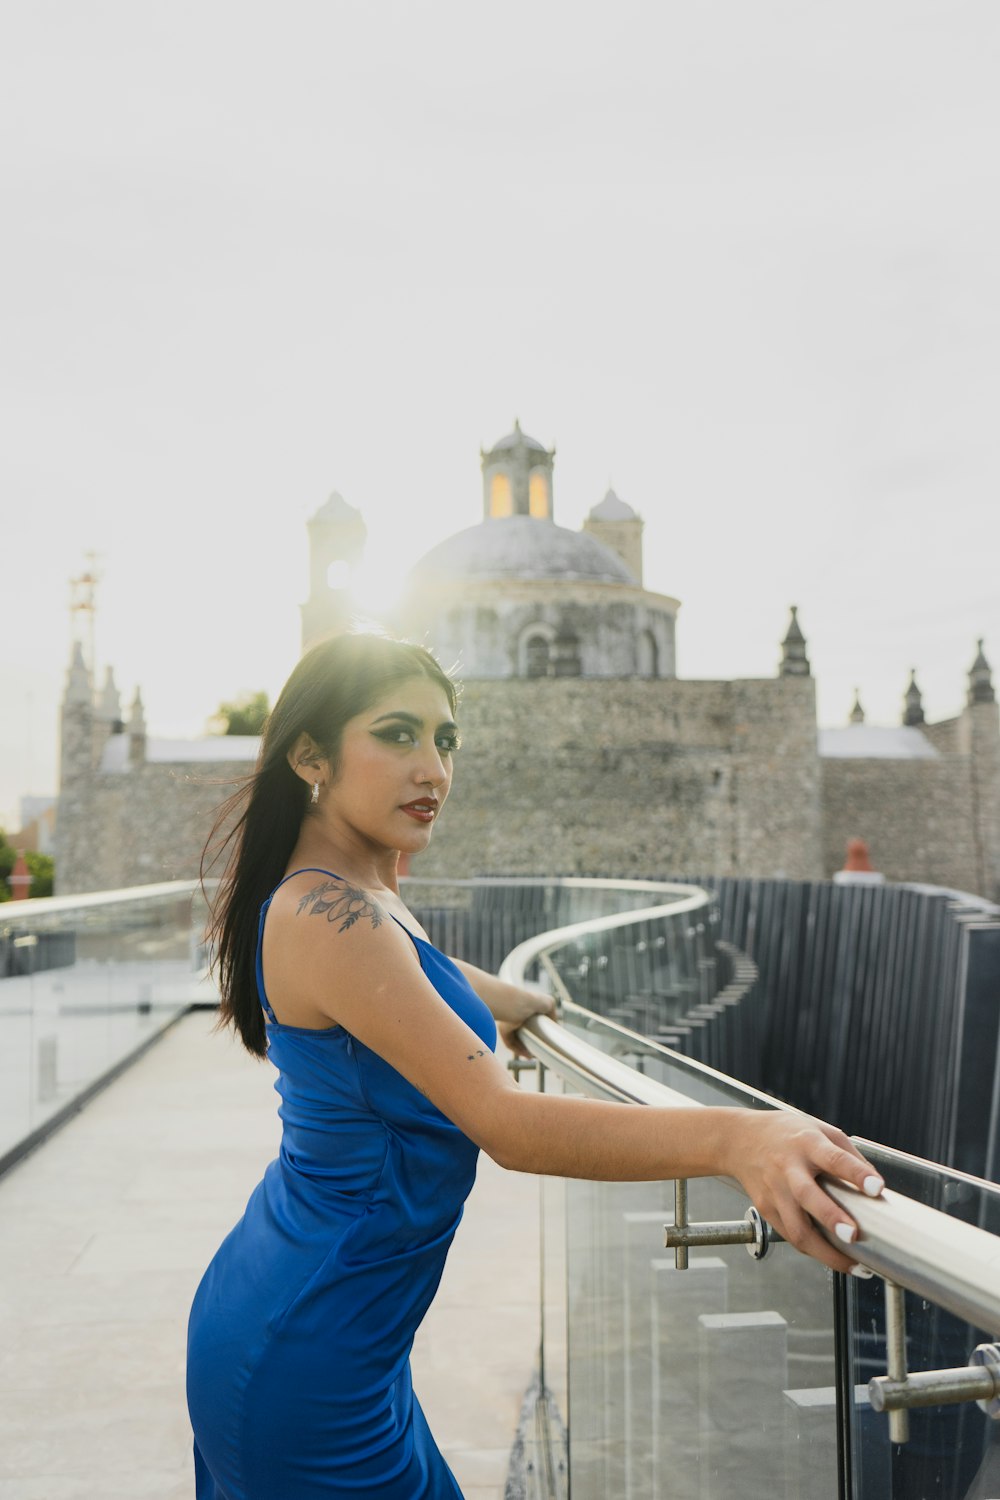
x,y
522,547
517,439
612,508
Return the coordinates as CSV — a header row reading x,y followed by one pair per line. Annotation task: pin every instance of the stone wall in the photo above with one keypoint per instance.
x,y
943,735
979,734
633,777
915,815
140,826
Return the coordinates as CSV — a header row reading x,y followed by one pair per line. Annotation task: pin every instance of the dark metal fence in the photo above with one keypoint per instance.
x,y
874,1006
879,1009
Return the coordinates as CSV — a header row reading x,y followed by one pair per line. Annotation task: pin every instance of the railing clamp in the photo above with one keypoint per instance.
x,y
680,1236
897,1391
519,1065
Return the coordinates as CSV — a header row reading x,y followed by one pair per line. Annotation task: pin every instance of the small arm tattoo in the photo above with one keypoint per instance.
x,y
340,902
473,1055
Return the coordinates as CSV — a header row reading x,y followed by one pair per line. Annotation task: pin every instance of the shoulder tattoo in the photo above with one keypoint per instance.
x,y
340,902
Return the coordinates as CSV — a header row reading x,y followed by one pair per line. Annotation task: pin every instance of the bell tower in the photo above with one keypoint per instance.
x,y
337,536
517,478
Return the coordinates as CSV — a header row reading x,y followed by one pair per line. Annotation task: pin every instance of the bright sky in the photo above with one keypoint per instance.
x,y
740,259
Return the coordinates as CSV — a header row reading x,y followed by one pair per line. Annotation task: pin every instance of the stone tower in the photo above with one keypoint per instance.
x,y
979,738
77,738
517,478
617,525
337,536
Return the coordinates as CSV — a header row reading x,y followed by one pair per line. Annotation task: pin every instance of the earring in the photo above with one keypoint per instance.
x,y
314,794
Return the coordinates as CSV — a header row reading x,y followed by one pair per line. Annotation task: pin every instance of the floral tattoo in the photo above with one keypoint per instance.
x,y
340,902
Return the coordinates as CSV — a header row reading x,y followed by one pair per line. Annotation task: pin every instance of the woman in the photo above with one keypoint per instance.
x,y
300,1334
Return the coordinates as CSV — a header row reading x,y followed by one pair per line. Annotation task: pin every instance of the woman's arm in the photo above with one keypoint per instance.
x,y
366,977
510,1005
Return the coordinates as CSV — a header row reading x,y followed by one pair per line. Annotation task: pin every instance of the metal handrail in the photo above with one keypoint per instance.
x,y
40,906
948,1262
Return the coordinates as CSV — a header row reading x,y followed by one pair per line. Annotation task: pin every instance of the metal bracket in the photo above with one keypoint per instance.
x,y
897,1391
680,1236
519,1065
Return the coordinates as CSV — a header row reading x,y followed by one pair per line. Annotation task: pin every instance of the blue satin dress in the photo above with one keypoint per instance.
x,y
300,1333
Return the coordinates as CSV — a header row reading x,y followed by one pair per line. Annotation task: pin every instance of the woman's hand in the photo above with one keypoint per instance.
x,y
778,1156
511,1004
531,1003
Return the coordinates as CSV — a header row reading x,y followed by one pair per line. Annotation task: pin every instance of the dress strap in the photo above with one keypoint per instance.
x,y
259,966
306,870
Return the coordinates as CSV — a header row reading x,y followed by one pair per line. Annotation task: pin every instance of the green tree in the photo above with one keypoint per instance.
x,y
8,854
244,715
41,866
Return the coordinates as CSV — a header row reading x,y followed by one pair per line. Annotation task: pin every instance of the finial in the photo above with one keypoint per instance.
x,y
794,661
981,678
857,712
913,709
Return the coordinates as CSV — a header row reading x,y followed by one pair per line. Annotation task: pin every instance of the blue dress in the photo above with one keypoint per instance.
x,y
301,1329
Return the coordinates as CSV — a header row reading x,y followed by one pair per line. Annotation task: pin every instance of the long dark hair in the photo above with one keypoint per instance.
x,y
260,824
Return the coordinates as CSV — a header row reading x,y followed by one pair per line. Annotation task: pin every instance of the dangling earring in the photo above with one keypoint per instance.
x,y
314,794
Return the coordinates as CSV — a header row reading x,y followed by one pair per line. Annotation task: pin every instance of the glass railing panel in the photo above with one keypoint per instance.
x,y
83,986
951,1451
649,974
553,1353
623,994
716,1380
482,920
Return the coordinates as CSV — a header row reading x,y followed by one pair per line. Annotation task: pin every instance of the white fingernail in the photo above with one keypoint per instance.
x,y
873,1186
862,1273
845,1232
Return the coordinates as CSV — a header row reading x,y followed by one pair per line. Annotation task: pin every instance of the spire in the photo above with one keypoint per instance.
x,y
137,732
78,687
913,712
109,705
137,718
981,679
857,712
794,661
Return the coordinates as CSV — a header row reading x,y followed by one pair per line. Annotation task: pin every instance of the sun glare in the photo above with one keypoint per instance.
x,y
378,581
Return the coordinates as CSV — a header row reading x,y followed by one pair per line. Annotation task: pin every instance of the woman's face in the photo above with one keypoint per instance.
x,y
395,768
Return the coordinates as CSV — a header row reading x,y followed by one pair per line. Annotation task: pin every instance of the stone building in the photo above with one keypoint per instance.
x,y
519,596
584,751
134,809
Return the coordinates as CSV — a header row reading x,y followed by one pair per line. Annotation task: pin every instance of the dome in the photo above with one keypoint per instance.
x,y
518,439
522,547
611,508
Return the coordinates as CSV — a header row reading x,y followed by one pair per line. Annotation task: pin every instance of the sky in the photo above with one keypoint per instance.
x,y
740,261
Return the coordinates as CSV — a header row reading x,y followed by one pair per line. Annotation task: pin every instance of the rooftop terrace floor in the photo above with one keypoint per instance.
x,y
105,1231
